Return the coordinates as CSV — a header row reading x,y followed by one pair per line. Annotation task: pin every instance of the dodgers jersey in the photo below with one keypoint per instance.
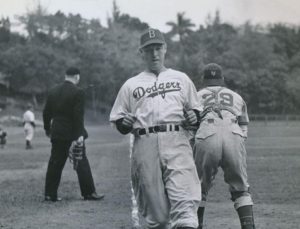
x,y
155,99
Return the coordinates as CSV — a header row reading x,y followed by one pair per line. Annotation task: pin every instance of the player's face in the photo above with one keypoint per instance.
x,y
154,57
77,79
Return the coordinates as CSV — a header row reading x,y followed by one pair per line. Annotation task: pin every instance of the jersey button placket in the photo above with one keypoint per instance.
x,y
157,109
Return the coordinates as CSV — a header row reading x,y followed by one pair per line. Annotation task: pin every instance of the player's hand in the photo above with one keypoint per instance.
x,y
190,117
128,121
80,140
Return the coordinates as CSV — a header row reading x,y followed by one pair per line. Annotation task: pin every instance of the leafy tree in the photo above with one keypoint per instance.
x,y
4,30
127,21
32,69
265,71
292,101
287,39
261,63
217,38
182,26
182,29
34,22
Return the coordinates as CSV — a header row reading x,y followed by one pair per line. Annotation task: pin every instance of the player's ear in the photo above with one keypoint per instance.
x,y
141,53
77,78
165,47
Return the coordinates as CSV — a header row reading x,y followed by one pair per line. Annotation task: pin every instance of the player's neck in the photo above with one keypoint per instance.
x,y
157,71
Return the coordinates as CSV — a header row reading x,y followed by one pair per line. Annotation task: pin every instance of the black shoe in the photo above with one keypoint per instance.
x,y
93,196
53,199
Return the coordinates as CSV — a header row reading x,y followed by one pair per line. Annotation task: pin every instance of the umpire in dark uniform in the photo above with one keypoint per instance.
x,y
63,117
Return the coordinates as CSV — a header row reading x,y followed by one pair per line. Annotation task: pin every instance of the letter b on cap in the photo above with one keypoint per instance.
x,y
151,33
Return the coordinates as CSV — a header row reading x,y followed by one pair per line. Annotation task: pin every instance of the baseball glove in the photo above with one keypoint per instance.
x,y
76,153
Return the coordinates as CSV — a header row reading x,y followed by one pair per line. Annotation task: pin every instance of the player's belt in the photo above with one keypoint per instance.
x,y
156,129
211,120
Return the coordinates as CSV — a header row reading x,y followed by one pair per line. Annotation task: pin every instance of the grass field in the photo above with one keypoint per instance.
x,y
273,170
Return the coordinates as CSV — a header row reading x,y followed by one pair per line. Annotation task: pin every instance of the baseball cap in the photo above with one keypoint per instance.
x,y
72,71
151,36
213,75
29,106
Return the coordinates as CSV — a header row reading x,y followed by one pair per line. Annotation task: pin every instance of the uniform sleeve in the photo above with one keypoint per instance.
x,y
121,105
191,99
243,120
78,112
47,115
200,98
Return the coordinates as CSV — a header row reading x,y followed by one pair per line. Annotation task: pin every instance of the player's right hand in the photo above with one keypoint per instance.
x,y
128,120
190,117
80,140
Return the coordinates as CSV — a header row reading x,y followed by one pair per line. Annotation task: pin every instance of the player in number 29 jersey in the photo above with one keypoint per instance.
x,y
219,142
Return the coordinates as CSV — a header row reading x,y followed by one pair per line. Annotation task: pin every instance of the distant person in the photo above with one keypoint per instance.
x,y
29,125
63,117
3,137
220,142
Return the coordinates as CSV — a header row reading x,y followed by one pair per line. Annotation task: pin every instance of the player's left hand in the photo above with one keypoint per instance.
x,y
128,120
80,140
190,117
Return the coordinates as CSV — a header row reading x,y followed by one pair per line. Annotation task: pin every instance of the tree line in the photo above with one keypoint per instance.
x,y
262,63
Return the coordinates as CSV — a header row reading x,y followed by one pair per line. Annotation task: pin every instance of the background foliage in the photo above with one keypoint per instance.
x,y
262,63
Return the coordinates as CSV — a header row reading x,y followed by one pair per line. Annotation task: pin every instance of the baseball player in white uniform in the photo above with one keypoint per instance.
x,y
219,142
29,125
152,105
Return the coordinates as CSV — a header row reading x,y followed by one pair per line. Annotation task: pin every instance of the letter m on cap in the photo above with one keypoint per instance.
x,y
151,33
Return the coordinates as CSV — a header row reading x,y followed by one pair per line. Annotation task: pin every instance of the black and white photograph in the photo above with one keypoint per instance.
x,y
139,114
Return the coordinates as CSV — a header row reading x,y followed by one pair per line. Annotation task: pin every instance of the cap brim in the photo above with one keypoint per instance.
x,y
213,82
153,41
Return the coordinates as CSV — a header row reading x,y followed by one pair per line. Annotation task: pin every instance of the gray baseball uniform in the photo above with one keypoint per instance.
x,y
164,175
220,141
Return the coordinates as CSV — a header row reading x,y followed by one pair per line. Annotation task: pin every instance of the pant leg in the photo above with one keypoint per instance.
x,y
234,163
235,170
29,131
180,178
59,155
147,183
85,177
207,154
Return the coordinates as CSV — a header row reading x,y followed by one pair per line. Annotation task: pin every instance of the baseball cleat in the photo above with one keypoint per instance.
x,y
93,196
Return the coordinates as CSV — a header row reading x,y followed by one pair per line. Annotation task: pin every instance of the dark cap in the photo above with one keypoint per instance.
x,y
151,36
72,71
213,75
29,106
